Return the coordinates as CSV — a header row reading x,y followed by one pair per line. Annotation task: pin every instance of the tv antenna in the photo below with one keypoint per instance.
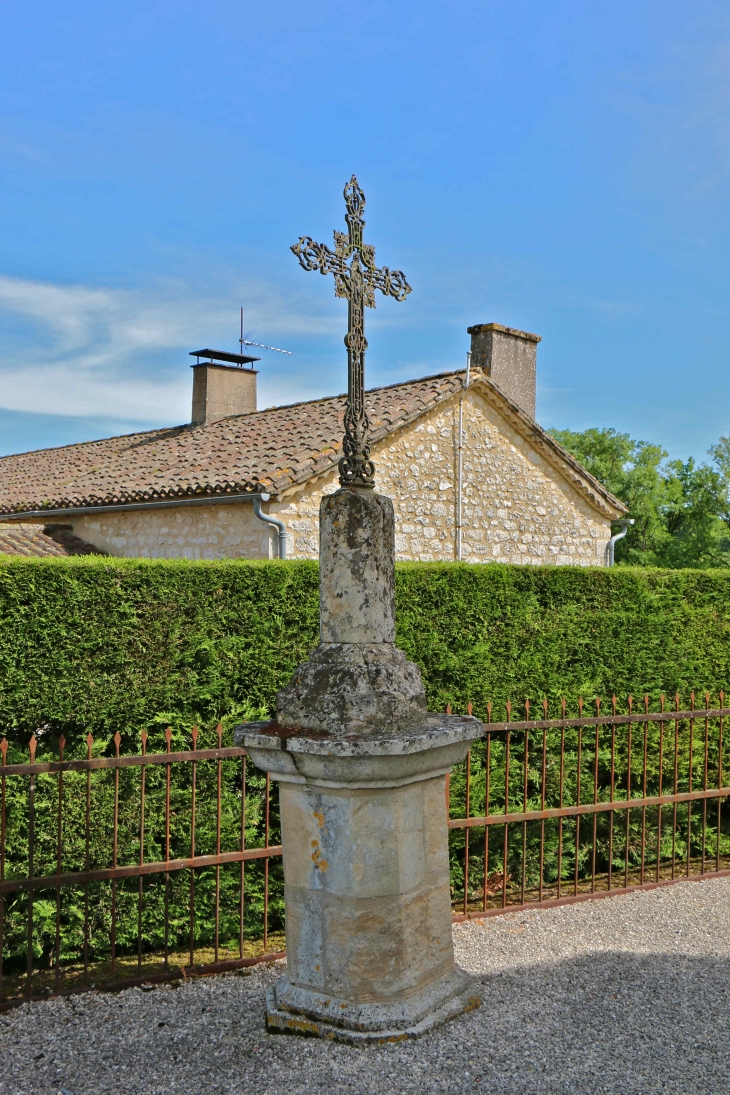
x,y
246,340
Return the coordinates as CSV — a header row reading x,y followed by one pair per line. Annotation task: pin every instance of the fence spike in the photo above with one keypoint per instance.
x,y
195,737
32,747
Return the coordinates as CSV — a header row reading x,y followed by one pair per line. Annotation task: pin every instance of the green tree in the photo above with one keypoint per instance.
x,y
691,512
632,471
681,509
720,454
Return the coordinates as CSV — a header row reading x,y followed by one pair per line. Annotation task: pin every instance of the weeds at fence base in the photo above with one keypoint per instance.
x,y
620,880
129,971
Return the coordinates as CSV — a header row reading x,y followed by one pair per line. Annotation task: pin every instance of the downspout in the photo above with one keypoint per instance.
x,y
610,546
459,463
271,521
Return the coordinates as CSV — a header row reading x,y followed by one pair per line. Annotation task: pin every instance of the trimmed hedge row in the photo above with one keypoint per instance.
x,y
106,645
119,644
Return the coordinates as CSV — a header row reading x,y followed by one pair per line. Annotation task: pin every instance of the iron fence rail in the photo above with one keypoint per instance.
x,y
19,875
539,778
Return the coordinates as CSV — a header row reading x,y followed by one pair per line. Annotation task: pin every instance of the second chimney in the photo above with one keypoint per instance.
x,y
509,358
220,390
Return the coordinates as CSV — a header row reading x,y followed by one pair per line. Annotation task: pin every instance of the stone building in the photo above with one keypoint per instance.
x,y
470,472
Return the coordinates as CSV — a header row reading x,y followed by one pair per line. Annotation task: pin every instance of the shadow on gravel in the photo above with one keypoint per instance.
x,y
606,1024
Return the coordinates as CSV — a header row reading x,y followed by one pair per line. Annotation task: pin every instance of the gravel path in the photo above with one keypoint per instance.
x,y
629,995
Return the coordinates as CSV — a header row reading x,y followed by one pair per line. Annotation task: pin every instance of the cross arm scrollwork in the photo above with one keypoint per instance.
x,y
317,256
391,283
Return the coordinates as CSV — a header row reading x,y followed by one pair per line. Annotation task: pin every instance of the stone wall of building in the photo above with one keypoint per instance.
x,y
517,508
190,532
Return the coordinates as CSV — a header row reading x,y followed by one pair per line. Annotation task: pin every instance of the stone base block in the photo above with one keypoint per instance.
x,y
292,1010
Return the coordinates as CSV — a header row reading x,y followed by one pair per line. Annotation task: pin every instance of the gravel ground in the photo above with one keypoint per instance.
x,y
629,995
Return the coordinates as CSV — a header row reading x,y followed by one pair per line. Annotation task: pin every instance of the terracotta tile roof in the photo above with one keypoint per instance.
x,y
35,540
269,450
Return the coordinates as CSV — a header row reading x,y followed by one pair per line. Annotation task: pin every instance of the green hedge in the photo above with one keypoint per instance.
x,y
106,645
103,645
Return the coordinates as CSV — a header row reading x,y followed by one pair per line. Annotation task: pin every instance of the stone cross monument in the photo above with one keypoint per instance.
x,y
360,762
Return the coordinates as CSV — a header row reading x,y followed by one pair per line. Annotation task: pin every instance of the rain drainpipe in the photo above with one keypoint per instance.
x,y
271,521
460,449
610,546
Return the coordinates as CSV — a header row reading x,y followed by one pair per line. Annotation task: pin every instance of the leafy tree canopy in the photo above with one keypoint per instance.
x,y
681,509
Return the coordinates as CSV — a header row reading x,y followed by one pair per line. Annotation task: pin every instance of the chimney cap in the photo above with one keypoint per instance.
x,y
223,355
479,327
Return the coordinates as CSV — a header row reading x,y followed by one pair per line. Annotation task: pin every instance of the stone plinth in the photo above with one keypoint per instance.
x,y
366,870
361,767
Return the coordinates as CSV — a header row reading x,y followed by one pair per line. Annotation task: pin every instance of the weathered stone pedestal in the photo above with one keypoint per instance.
x,y
362,766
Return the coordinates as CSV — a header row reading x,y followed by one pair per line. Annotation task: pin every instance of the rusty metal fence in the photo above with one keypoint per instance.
x,y
125,869
551,811
119,868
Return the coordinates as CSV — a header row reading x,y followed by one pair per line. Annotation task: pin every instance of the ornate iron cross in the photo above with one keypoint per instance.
x,y
356,277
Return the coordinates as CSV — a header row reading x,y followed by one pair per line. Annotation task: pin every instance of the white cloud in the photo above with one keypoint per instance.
x,y
80,350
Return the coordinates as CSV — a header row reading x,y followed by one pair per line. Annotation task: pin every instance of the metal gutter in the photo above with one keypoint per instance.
x,y
89,511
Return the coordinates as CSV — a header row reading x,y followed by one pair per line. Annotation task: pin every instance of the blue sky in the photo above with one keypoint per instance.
x,y
562,168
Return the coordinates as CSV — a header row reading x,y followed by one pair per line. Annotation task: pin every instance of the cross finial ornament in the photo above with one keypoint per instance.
x,y
356,277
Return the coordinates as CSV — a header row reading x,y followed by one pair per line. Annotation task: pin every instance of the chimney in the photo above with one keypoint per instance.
x,y
222,389
509,358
